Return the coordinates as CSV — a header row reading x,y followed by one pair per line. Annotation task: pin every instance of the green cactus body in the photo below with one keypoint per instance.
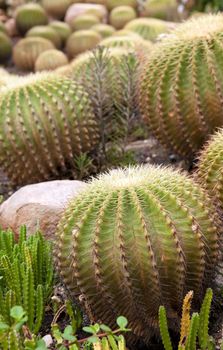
x,y
181,85
126,42
105,30
50,60
45,32
62,29
27,50
28,16
85,21
45,121
5,47
81,41
148,28
56,8
210,166
136,239
111,4
121,15
162,9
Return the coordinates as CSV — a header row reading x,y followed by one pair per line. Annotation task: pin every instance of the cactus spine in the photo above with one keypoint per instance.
x,y
137,238
181,89
46,121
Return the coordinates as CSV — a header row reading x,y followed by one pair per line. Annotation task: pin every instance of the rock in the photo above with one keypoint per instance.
x,y
38,206
77,9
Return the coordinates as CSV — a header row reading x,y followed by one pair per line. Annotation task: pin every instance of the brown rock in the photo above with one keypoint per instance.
x,y
38,206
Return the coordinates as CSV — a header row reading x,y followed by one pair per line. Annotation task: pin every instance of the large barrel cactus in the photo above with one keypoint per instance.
x,y
135,239
181,85
45,122
210,166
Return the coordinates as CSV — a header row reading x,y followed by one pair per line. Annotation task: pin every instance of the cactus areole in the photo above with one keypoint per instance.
x,y
181,86
136,239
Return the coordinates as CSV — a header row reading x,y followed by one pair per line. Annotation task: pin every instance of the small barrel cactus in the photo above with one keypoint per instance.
x,y
62,29
111,4
127,42
85,21
30,15
45,32
81,41
56,8
46,121
181,89
27,50
121,15
210,167
162,9
50,60
5,47
148,28
105,30
136,239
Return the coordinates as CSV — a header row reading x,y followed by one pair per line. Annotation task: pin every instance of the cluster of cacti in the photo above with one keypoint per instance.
x,y
81,41
26,276
180,88
30,15
148,28
27,50
121,15
50,60
157,230
210,167
46,121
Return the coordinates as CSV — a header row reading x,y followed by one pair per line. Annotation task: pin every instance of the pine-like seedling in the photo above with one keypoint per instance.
x,y
136,239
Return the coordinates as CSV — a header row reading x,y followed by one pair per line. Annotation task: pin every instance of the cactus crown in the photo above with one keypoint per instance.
x,y
135,233
181,90
49,121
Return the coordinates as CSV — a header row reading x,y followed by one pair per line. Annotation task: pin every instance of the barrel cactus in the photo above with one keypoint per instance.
x,y
105,30
121,15
162,9
111,4
56,8
30,15
62,29
50,60
46,32
181,85
27,50
85,21
81,41
210,166
46,121
148,28
5,47
135,239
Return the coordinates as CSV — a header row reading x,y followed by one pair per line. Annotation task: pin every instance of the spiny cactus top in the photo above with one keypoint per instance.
x,y
45,122
210,166
181,85
135,239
